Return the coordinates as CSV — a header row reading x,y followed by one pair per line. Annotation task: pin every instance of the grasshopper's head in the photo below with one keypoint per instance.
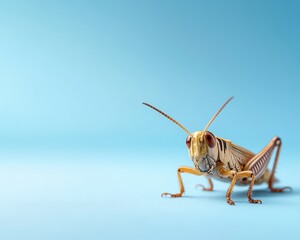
x,y
202,150
201,144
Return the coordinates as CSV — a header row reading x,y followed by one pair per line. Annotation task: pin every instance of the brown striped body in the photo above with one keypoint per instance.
x,y
228,156
221,159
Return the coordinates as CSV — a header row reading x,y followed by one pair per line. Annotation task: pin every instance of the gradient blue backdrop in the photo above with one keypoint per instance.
x,y
82,158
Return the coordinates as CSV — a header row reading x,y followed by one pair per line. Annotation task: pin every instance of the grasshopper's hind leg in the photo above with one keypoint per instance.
x,y
271,179
179,171
211,186
258,164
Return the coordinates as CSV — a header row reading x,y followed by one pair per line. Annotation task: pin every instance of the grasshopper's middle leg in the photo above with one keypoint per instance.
x,y
211,185
235,176
179,171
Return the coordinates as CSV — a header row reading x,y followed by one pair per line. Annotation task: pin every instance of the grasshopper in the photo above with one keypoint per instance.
x,y
220,159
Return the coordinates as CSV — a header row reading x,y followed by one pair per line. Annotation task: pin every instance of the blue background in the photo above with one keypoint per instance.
x,y
82,158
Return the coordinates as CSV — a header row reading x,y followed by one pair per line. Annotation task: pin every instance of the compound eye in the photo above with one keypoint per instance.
x,y
210,139
188,141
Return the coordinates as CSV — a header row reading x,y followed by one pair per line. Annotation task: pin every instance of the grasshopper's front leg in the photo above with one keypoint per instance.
x,y
179,171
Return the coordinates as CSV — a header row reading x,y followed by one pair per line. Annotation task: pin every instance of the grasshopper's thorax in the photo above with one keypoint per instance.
x,y
202,150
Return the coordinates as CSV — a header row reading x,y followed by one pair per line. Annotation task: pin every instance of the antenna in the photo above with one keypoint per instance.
x,y
167,116
213,118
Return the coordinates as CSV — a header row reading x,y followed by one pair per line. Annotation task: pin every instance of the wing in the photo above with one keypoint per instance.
x,y
242,155
234,156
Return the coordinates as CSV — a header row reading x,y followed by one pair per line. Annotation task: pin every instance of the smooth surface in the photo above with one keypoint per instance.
x,y
74,73
76,197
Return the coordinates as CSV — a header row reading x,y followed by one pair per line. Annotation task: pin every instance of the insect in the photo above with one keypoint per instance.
x,y
221,159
